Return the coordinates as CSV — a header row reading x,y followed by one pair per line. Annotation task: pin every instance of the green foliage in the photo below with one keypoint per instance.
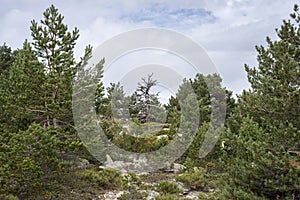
x,y
167,197
174,119
209,93
133,195
110,128
265,128
199,85
260,147
167,187
275,82
258,160
239,193
26,157
195,179
22,91
118,103
35,110
144,105
101,103
131,181
107,178
8,197
132,184
138,144
192,155
7,57
204,196
54,47
194,148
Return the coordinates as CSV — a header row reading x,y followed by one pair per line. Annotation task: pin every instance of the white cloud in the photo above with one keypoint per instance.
x,y
228,30
14,24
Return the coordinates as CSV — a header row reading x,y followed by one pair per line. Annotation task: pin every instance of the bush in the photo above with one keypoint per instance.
x,y
258,164
238,193
131,181
9,197
26,156
194,179
132,184
138,144
110,128
193,152
168,187
133,195
107,178
204,196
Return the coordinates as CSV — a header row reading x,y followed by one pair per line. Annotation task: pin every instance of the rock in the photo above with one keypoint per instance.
x,y
136,164
178,167
109,196
185,189
168,168
192,195
152,194
162,136
142,173
108,160
119,194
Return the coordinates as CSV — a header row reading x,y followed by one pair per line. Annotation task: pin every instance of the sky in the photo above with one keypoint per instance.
x,y
228,30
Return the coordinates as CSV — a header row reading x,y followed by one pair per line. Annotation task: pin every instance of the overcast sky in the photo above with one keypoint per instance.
x,y
227,29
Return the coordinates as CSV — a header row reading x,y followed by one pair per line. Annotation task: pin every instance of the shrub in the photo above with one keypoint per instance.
x,y
107,178
138,144
9,197
26,157
258,164
194,179
133,195
204,196
110,128
131,181
167,197
168,187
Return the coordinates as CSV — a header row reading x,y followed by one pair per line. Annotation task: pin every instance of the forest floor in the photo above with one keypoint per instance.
x,y
70,184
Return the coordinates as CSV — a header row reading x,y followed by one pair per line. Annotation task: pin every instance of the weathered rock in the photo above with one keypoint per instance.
x,y
152,194
136,164
184,188
178,167
162,136
192,195
119,194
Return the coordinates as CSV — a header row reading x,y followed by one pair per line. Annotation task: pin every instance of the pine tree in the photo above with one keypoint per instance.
x,y
7,57
118,102
145,99
54,47
23,91
262,145
275,82
101,102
